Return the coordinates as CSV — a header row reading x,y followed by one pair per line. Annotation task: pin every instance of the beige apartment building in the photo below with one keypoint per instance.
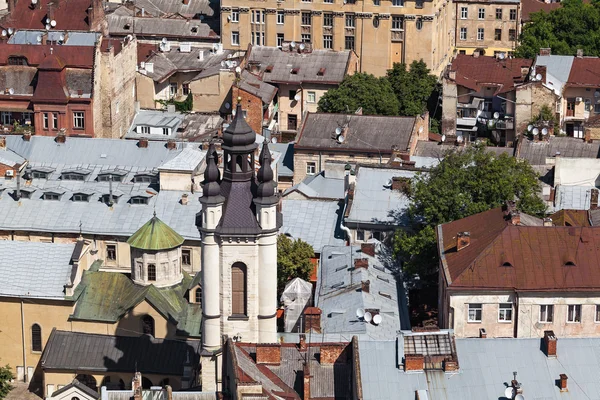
x,y
491,26
381,32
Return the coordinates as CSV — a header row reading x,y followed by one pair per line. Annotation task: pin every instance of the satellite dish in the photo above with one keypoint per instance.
x,y
443,138
53,23
519,397
535,131
538,77
62,38
421,129
202,18
597,93
338,130
10,31
164,40
39,38
459,139
273,140
368,317
34,2
377,319
11,91
238,69
496,115
4,33
297,97
227,106
47,20
340,139
302,46
47,27
388,183
508,392
544,131
529,128
293,44
360,313
501,56
223,64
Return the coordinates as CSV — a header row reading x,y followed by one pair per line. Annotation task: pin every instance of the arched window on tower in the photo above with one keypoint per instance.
x,y
199,295
151,272
36,337
238,289
148,325
240,164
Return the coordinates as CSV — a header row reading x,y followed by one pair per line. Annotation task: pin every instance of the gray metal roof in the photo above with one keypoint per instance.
x,y
159,395
369,133
70,38
33,269
308,65
188,160
537,152
320,187
374,203
10,158
338,294
558,69
438,150
485,366
315,222
185,126
573,197
256,86
160,7
285,164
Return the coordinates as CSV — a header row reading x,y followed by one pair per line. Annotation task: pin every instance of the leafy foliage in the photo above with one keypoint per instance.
x,y
6,376
575,25
546,114
293,261
463,184
413,87
374,95
180,106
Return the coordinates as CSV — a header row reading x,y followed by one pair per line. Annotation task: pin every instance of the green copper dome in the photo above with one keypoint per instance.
x,y
155,235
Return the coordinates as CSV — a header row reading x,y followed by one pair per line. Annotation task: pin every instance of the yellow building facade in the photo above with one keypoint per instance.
x,y
381,32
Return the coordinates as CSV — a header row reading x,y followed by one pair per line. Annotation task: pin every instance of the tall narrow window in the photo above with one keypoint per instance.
x,y
513,15
238,289
480,33
464,13
498,13
36,338
546,313
463,33
147,325
111,252
475,311
328,20
280,18
45,120
151,272
574,313
198,295
78,119
328,41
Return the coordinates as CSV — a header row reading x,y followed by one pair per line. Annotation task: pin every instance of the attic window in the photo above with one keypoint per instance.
x,y
79,197
127,26
294,71
569,264
269,68
73,176
51,196
506,264
17,60
321,71
139,200
194,29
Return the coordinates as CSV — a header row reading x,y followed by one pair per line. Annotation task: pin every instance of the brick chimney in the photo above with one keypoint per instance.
x,y
333,354
312,319
171,145
562,382
184,199
306,373
550,343
302,344
60,138
414,362
545,51
594,199
361,263
143,143
482,333
366,286
136,386
548,222
268,353
450,366
27,136
579,53
2,142
452,75
463,239
368,249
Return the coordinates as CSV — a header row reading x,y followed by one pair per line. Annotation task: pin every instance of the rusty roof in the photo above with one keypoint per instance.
x,y
71,56
506,256
585,72
68,14
478,72
571,218
531,6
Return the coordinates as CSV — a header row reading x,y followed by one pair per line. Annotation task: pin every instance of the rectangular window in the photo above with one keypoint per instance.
x,y
280,18
546,313
328,20
349,43
481,13
360,235
419,3
78,120
307,1
186,256
151,272
597,315
235,15
258,39
306,19
235,38
463,33
185,89
397,23
45,120
54,120
398,3
165,131
505,312
111,252
311,97
464,13
305,37
328,1
292,122
311,168
280,39
588,104
574,313
292,94
27,118
512,35
498,13
327,41
6,117
350,21
145,130
172,89
376,3
480,33
475,311
513,15
498,34
597,108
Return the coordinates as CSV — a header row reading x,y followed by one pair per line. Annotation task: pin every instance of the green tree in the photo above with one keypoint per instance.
x,y
575,25
412,87
374,95
6,376
293,261
462,184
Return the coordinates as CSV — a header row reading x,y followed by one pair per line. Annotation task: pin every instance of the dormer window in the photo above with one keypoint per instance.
x,y
25,194
295,71
17,60
74,174
321,71
139,200
109,177
269,69
106,199
569,264
506,264
145,178
39,175
51,196
80,197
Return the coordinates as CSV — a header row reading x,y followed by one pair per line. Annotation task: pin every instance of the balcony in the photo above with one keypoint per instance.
x,y
505,124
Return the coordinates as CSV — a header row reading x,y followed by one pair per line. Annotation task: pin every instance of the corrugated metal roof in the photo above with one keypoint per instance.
x,y
437,151
188,160
573,197
558,69
155,235
320,187
32,269
285,164
537,152
184,126
70,38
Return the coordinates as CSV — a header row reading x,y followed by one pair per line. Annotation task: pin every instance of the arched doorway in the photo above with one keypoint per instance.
x,y
148,325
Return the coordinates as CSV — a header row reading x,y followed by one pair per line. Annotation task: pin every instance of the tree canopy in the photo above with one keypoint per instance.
x,y
374,95
462,184
293,261
412,87
6,376
575,25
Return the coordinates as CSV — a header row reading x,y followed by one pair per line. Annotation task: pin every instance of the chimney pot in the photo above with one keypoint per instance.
x,y
2,142
184,199
563,382
548,222
143,143
450,366
545,51
550,342
594,199
414,362
579,53
306,373
27,136
361,263
515,217
482,333
171,145
268,353
366,286
312,319
302,344
136,386
463,239
60,138
368,249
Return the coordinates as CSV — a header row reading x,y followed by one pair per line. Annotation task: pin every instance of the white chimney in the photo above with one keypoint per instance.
x,y
201,55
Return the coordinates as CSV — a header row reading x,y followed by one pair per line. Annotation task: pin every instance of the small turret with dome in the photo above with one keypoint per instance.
x,y
156,254
239,143
265,193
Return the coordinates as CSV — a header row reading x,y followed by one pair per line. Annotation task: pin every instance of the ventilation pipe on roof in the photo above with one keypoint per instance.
x,y
463,239
562,383
550,343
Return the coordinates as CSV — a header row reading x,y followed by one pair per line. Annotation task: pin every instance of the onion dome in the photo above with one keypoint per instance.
x,y
238,134
211,186
155,235
266,186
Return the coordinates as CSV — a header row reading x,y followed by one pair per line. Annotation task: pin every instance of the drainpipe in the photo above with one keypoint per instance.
x,y
23,339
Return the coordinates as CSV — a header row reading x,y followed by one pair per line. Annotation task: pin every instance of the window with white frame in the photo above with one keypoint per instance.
x,y
305,37
464,13
463,33
504,312
350,18
311,97
45,120
280,18
480,33
574,313
398,3
6,117
235,15
475,311
54,120
546,313
235,38
166,131
397,23
481,13
280,39
328,41
144,130
597,315
311,168
78,119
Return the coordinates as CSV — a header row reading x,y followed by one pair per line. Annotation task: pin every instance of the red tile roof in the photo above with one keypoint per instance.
x,y
531,6
71,56
485,71
585,72
145,50
68,14
505,256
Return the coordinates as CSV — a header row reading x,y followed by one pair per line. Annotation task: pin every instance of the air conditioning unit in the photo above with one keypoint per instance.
x,y
578,99
10,173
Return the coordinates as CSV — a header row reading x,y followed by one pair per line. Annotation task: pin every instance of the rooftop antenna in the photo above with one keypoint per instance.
x,y
110,191
80,233
18,194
